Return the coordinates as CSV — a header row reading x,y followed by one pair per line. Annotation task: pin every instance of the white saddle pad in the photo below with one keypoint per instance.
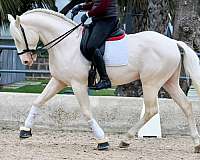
x,y
116,52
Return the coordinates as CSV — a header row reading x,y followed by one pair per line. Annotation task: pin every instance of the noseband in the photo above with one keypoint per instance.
x,y
44,48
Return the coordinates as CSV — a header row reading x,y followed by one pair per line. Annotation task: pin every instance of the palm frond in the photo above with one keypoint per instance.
x,y
17,7
10,6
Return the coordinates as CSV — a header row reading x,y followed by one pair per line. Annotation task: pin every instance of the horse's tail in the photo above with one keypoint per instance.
x,y
191,64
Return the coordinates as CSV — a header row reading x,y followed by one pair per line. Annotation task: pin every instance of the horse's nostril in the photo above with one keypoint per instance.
x,y
25,62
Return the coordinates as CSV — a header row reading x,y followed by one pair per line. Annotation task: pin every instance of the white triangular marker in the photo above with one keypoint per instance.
x,y
152,128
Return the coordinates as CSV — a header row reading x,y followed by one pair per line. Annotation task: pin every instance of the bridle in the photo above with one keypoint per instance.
x,y
45,47
26,43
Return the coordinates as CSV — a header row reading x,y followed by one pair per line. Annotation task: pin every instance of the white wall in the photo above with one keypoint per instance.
x,y
115,114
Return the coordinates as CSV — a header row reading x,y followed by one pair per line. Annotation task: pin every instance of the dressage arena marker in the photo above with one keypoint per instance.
x,y
152,128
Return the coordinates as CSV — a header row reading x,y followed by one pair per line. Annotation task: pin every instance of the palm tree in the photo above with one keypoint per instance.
x,y
187,23
143,15
133,15
187,29
17,7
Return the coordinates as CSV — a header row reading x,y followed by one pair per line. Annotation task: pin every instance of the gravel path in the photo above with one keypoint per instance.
x,y
60,145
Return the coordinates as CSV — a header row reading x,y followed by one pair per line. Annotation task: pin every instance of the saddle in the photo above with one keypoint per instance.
x,y
117,34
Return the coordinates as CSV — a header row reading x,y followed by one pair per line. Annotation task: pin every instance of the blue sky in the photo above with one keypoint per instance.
x,y
61,3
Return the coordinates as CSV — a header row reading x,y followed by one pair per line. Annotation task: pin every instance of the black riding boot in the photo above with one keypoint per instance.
x,y
100,65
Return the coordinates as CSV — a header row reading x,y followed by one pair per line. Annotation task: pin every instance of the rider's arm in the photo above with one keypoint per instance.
x,y
100,9
87,6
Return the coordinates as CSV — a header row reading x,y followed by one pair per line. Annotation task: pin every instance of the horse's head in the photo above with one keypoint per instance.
x,y
25,38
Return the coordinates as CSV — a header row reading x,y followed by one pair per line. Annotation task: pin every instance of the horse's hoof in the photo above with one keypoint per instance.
x,y
103,146
25,133
197,149
124,144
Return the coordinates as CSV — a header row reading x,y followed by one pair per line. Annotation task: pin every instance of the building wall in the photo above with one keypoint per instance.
x,y
9,60
42,63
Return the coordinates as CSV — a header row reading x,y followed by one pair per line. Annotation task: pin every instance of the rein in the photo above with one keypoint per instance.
x,y
44,48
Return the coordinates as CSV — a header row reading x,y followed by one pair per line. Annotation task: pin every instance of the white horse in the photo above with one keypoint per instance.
x,y
153,58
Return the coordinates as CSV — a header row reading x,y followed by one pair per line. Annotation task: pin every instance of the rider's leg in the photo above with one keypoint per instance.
x,y
101,68
100,32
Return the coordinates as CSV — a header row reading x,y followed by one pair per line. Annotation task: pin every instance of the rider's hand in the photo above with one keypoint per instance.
x,y
84,18
75,11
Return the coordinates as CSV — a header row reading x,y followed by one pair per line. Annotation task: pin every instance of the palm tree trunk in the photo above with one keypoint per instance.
x,y
187,29
147,15
158,21
187,23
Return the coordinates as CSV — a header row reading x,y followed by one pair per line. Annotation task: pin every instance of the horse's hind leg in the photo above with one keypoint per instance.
x,y
81,92
151,108
53,87
173,88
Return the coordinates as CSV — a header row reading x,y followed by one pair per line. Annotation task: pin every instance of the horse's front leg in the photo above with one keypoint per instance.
x,y
81,92
53,87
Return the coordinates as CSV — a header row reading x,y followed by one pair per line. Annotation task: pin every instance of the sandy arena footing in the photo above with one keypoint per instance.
x,y
60,145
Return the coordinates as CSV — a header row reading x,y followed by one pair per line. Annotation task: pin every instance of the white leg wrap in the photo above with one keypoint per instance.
x,y
96,129
31,117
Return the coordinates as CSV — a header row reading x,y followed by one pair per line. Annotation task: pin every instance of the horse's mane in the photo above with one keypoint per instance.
x,y
51,12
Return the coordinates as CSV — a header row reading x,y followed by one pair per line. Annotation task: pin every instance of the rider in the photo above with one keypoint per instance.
x,y
104,19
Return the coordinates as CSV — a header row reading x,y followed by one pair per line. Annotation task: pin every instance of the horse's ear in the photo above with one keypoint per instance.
x,y
11,18
14,26
17,21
